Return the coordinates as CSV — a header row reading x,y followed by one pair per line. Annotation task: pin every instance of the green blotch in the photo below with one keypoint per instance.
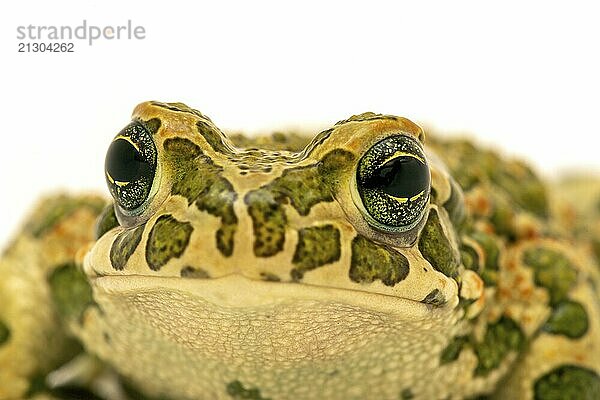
x,y
492,252
268,222
237,391
213,137
4,332
199,180
124,245
552,270
317,246
71,291
269,277
371,261
452,351
470,258
168,239
435,246
455,205
194,272
57,208
152,125
106,221
406,394
303,188
568,318
435,297
500,339
568,382
212,202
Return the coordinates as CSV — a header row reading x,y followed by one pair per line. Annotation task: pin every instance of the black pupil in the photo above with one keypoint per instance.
x,y
124,163
402,177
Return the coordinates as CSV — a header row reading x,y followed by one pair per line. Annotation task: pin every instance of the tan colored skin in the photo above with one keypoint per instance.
x,y
248,323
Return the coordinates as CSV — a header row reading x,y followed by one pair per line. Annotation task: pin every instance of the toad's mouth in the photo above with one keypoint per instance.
x,y
236,291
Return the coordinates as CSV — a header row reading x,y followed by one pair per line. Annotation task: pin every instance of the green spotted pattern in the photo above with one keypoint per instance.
x,y
317,246
453,349
71,292
302,187
237,391
168,239
500,339
471,165
568,318
268,222
435,246
199,180
124,246
568,382
552,270
371,261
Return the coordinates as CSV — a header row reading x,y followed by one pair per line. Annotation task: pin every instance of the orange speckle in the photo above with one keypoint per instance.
x,y
504,293
511,265
526,292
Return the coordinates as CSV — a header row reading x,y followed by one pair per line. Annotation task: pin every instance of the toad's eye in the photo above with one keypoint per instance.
x,y
130,167
393,182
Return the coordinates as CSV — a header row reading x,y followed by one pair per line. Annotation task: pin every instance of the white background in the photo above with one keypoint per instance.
x,y
523,76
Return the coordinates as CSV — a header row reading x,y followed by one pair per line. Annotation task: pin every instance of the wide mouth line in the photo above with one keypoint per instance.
x,y
301,290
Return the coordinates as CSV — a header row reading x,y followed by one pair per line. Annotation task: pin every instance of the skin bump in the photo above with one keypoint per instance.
x,y
567,382
435,246
71,292
371,261
568,318
491,252
199,180
168,239
552,270
237,391
317,246
124,245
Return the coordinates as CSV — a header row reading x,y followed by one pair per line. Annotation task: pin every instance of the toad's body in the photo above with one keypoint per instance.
x,y
358,266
